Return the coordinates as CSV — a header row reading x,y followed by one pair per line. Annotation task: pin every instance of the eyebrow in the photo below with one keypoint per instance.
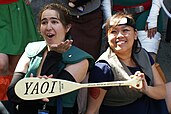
x,y
50,18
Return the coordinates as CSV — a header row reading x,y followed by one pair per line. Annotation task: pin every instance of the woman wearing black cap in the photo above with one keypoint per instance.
x,y
125,57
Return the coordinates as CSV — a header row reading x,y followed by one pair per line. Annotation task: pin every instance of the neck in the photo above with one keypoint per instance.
x,y
126,59
124,55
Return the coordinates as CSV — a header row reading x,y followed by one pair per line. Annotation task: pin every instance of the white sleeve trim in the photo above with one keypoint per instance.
x,y
153,15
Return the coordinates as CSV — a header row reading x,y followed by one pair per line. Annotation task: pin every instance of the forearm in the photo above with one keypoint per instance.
x,y
106,8
93,106
153,15
95,98
156,92
11,93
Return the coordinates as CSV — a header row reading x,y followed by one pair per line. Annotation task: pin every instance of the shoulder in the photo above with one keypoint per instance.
x,y
75,55
144,56
101,72
149,56
34,48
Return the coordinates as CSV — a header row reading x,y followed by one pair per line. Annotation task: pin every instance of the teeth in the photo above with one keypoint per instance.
x,y
120,42
49,34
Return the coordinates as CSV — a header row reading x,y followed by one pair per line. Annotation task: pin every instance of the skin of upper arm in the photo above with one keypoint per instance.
x,y
78,70
157,78
22,64
159,83
95,98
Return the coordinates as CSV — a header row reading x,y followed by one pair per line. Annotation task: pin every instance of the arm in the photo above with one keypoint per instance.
x,y
158,90
78,70
95,98
152,18
106,8
23,64
20,71
153,15
100,73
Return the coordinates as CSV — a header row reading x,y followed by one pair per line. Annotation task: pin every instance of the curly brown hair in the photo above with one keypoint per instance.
x,y
63,13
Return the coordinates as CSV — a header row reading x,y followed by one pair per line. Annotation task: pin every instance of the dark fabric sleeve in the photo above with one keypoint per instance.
x,y
151,58
65,75
11,93
51,61
101,73
50,67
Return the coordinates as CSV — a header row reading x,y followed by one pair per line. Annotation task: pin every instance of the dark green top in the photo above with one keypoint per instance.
x,y
74,55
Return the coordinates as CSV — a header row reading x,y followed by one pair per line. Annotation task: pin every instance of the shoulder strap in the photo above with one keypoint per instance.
x,y
116,65
34,48
75,55
143,60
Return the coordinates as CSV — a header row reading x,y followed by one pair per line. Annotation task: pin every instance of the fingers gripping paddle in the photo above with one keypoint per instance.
x,y
36,88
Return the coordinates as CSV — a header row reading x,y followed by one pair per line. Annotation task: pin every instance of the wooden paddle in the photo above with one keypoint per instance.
x,y
36,88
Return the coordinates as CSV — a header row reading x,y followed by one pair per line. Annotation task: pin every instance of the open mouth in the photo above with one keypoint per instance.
x,y
50,35
120,42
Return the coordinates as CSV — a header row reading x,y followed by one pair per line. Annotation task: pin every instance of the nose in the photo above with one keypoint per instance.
x,y
49,26
119,35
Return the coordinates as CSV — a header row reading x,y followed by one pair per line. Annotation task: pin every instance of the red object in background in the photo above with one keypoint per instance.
x,y
7,1
146,6
4,83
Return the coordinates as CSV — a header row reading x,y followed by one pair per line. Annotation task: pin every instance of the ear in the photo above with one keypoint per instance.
x,y
68,27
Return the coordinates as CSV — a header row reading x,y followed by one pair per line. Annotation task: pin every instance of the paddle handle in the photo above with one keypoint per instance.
x,y
136,83
105,84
